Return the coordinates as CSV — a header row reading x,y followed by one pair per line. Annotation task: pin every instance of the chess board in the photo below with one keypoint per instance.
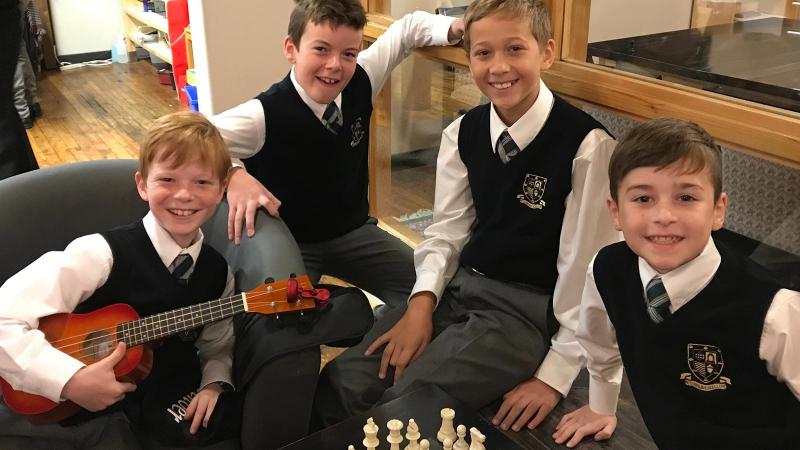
x,y
423,405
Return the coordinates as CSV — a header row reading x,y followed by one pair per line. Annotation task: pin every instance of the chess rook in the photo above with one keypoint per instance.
x,y
447,430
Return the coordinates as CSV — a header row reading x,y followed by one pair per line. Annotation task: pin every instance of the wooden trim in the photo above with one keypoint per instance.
x,y
576,29
762,130
380,152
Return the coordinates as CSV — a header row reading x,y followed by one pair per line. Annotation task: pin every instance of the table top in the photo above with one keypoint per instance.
x,y
761,56
423,405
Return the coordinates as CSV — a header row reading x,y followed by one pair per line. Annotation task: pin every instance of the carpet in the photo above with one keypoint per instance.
x,y
418,220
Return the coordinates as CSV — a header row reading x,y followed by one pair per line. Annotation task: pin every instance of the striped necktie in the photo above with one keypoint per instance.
x,y
332,118
657,300
180,267
506,147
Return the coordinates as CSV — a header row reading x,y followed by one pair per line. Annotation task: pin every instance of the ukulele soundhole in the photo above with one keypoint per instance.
x,y
98,345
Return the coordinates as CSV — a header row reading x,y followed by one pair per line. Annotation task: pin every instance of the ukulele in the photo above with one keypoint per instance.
x,y
92,336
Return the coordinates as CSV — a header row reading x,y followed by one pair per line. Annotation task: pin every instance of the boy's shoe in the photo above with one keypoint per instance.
x,y
36,110
28,122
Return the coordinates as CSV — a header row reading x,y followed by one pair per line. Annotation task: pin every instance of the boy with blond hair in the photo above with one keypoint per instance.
x,y
157,264
305,141
517,216
708,340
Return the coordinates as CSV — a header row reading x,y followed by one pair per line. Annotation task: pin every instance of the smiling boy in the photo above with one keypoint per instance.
x,y
708,340
517,217
305,141
157,264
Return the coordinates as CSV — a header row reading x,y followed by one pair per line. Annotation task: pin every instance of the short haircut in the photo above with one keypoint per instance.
x,y
182,137
661,142
333,12
533,11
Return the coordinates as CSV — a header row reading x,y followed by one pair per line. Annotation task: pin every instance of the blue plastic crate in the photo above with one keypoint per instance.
x,y
191,94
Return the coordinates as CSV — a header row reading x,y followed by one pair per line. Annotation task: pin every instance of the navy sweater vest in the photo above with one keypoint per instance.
x,y
519,206
697,377
138,277
320,178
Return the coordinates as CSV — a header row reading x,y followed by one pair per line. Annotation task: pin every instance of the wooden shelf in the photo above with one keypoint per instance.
x,y
147,18
134,18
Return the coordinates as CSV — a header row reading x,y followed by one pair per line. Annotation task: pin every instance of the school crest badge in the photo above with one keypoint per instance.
x,y
357,132
532,191
705,366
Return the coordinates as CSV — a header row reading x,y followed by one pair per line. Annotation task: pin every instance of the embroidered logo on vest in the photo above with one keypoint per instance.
x,y
533,191
705,363
357,131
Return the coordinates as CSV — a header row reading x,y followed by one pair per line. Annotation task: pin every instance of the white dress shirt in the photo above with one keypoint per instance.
x,y
586,227
56,283
778,347
243,127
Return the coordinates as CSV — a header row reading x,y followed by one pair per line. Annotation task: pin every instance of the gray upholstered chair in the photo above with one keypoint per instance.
x,y
45,209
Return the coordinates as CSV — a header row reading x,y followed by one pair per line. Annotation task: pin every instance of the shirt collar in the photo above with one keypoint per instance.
x,y
685,282
317,108
524,130
165,246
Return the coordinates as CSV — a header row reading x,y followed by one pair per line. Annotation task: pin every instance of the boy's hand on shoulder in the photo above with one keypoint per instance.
x,y
407,339
530,402
584,422
456,31
202,406
95,387
245,195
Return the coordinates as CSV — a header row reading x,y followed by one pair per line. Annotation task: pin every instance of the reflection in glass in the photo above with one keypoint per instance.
x,y
426,97
745,49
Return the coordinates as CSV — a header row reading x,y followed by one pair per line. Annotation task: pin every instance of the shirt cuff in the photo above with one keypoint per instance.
x,y
440,30
558,371
216,371
53,369
429,281
603,396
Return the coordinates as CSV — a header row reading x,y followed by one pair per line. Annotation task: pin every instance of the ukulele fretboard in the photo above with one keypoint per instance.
x,y
169,323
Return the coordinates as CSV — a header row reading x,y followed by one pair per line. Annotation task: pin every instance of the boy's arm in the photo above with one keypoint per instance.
x,y
781,339
54,283
215,347
418,29
436,258
243,129
586,228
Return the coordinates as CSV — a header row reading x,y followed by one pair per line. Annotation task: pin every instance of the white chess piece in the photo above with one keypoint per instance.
x,y
477,439
447,430
394,438
461,443
412,434
424,445
350,447
448,444
370,435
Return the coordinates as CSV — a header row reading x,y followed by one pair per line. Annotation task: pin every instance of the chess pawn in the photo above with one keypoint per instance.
x,y
461,443
350,447
447,430
394,438
412,434
448,444
370,435
477,439
424,445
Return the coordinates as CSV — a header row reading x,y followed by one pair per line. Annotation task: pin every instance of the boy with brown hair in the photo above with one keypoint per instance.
x,y
157,264
706,337
517,217
305,141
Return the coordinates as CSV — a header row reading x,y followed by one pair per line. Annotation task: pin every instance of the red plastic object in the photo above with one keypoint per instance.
x,y
178,20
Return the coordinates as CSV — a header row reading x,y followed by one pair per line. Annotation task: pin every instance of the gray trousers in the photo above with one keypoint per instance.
x,y
25,92
368,258
488,336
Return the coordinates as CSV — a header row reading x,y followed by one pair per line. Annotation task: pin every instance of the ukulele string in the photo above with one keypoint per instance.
x,y
64,346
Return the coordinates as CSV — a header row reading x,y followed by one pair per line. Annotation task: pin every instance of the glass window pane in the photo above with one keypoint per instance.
x,y
426,96
749,49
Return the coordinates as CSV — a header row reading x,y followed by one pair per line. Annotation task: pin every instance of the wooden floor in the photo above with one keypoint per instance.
x,y
98,112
